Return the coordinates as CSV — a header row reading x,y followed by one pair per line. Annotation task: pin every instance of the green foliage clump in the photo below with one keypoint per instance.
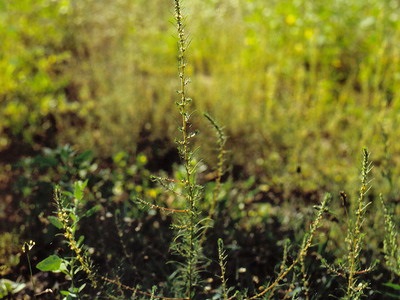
x,y
32,56
391,243
9,252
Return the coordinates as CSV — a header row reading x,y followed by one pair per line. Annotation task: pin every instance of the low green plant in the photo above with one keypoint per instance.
x,y
351,266
391,246
307,242
222,261
355,235
56,264
391,250
9,287
9,242
62,164
67,220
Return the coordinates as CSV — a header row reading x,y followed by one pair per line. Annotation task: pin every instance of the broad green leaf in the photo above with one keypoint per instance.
x,y
51,263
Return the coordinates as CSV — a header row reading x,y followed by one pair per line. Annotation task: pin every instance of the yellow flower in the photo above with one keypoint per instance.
x,y
309,33
290,19
142,159
152,193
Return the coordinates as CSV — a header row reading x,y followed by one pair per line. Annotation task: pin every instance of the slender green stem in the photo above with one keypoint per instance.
x,y
26,248
30,270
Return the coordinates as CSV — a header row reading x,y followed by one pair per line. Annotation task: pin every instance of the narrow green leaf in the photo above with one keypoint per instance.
x,y
80,240
55,221
79,187
86,156
91,211
393,286
73,217
81,287
68,294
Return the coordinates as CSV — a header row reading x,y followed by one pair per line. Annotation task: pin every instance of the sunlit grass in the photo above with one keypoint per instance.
x,y
296,84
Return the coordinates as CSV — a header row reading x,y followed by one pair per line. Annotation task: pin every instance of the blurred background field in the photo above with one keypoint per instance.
x,y
297,84
299,87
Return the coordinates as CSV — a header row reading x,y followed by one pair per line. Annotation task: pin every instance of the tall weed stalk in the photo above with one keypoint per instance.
x,y
355,235
302,253
188,224
350,269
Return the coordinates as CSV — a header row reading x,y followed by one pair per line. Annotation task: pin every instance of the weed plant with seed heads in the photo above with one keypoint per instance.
x,y
182,201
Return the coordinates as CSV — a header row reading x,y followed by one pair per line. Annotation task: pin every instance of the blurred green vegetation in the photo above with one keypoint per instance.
x,y
31,59
298,85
